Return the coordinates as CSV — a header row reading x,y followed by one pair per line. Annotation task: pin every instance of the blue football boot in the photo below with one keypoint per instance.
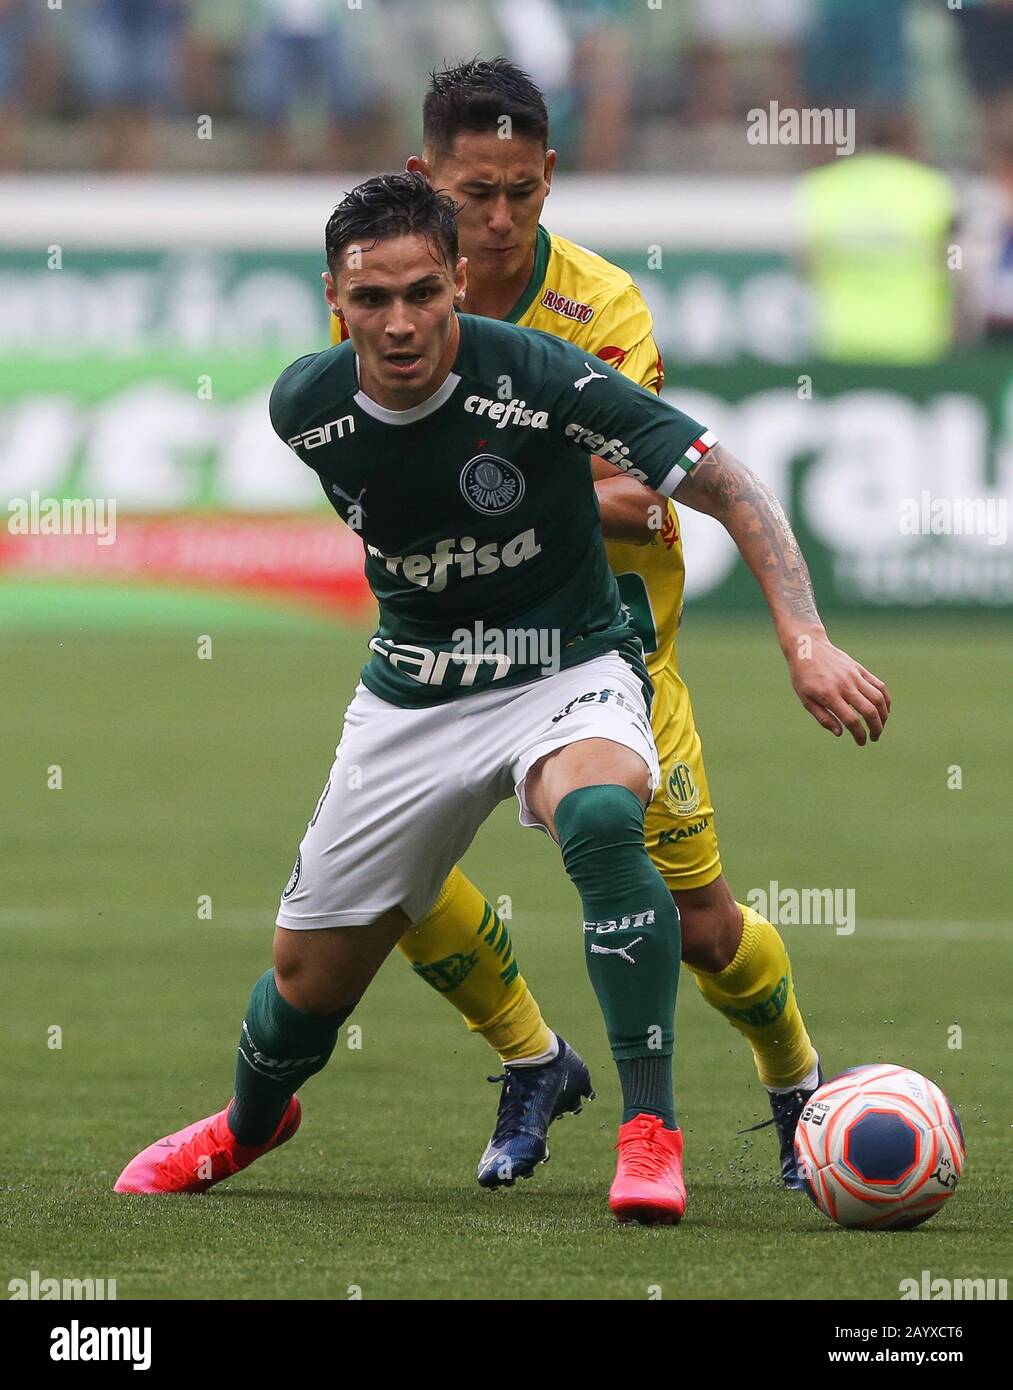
x,y
531,1099
786,1108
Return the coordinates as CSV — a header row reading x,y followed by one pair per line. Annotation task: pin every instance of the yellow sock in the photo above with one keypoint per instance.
x,y
755,993
463,950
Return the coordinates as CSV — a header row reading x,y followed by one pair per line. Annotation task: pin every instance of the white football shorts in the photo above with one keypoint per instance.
x,y
409,788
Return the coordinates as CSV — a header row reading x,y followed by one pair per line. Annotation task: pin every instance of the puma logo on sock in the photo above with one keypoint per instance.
x,y
623,951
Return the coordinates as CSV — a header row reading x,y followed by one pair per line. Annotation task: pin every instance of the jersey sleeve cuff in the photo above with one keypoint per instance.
x,y
693,454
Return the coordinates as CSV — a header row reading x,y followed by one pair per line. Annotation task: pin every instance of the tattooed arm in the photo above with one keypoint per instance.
x,y
832,686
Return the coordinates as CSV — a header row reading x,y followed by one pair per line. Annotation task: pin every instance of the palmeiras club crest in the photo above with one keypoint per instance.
x,y
293,882
491,484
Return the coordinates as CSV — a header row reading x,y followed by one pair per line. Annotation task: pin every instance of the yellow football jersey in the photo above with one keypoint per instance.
x,y
579,296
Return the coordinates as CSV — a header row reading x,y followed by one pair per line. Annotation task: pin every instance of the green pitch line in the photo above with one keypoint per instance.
x,y
97,606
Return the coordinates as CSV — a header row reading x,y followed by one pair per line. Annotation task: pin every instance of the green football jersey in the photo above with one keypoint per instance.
x,y
477,507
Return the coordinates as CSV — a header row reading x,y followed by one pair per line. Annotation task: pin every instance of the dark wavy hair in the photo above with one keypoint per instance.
x,y
473,96
392,205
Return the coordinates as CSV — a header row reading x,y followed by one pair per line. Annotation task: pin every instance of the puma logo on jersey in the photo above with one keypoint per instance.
x,y
582,381
323,434
623,951
352,501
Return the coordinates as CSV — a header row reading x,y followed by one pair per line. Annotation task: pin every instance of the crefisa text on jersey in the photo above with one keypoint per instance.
x,y
613,451
465,556
512,412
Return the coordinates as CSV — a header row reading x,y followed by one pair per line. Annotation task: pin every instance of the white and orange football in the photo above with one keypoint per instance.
x,y
880,1148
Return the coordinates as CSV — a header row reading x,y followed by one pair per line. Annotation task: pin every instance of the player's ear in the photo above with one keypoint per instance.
x,y
460,280
330,292
418,164
550,164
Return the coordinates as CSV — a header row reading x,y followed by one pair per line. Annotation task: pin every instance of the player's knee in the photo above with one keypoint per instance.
x,y
303,984
591,819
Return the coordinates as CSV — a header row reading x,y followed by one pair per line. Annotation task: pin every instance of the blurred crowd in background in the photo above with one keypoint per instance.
x,y
633,85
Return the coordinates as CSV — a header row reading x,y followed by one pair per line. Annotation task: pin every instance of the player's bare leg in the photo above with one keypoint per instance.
x,y
290,1030
711,925
322,971
590,796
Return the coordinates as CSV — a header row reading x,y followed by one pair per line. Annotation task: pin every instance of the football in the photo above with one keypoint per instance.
x,y
880,1148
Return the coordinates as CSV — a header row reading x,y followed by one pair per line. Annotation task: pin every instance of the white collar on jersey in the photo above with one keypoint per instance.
x,y
414,412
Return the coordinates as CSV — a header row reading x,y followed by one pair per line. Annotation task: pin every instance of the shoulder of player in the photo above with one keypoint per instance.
x,y
591,297
310,388
545,373
494,348
570,258
587,277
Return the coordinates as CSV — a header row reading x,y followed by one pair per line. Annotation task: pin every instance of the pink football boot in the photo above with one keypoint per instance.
x,y
195,1158
648,1185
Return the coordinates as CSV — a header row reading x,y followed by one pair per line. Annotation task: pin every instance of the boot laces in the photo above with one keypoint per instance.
x,y
640,1153
786,1105
514,1104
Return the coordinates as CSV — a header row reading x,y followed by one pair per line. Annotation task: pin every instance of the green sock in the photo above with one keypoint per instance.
x,y
647,1087
631,939
280,1048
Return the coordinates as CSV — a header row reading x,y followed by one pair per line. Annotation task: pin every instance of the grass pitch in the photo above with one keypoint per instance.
x,y
183,778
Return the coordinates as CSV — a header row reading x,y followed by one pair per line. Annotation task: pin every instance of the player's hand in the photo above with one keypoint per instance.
x,y
838,692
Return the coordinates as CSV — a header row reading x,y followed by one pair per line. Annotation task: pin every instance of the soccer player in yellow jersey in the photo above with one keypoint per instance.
x,y
485,137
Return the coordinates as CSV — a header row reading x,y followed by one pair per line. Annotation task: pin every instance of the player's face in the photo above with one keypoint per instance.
x,y
500,187
397,299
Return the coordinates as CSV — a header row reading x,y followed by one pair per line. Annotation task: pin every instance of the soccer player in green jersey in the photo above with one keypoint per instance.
x,y
504,662
521,271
